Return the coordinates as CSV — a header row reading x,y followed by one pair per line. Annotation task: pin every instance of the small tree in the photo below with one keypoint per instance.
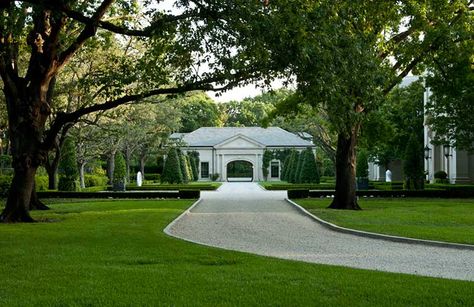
x,y
172,169
120,172
69,175
413,164
309,169
293,171
362,167
284,172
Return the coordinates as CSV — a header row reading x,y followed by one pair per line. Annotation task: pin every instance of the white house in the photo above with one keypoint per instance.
x,y
220,148
458,164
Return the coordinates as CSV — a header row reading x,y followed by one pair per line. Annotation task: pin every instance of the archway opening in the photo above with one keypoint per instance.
x,y
239,171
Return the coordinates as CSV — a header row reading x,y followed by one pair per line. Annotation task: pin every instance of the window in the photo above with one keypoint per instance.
x,y
275,169
204,169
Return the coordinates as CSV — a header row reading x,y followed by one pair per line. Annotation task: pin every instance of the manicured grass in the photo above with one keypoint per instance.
x,y
450,220
114,253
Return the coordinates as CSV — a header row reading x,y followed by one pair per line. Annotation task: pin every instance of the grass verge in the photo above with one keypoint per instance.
x,y
114,253
450,220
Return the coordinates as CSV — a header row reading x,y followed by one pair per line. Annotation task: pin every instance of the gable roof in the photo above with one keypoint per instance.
x,y
272,136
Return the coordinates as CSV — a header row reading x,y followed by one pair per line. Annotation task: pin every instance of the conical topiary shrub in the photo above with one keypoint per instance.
x,y
309,172
172,169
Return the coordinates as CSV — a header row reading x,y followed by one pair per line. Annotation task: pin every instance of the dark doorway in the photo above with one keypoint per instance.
x,y
239,171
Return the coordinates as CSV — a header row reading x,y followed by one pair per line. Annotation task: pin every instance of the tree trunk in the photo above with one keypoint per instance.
x,y
128,155
52,170
81,175
111,166
35,203
19,197
142,165
345,195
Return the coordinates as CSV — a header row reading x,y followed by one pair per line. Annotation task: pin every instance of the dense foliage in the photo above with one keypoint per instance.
x,y
172,169
68,172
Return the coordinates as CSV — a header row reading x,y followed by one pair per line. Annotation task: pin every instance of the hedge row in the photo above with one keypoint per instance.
x,y
304,193
166,187
183,194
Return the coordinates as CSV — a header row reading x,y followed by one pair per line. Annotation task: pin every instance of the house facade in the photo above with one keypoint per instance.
x,y
236,153
458,164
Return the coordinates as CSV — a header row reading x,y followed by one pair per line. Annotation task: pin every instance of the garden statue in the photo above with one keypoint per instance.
x,y
388,176
139,179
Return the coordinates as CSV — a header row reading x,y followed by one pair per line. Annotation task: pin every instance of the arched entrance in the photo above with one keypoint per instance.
x,y
239,170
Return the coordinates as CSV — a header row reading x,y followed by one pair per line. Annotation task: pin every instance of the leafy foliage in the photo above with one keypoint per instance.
x,y
362,168
69,174
120,171
309,172
413,164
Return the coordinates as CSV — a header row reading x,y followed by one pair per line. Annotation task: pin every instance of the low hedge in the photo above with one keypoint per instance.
x,y
184,194
41,183
299,186
152,177
396,193
168,187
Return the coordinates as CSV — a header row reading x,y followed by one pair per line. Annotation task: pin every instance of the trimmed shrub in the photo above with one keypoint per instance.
x,y
95,180
67,169
194,159
362,167
189,169
184,168
172,169
120,172
291,175
284,172
152,177
441,175
309,172
298,194
214,176
41,183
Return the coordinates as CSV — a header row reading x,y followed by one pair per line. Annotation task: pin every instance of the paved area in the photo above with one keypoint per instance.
x,y
244,217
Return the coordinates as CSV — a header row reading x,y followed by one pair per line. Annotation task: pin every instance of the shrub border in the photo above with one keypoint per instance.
x,y
182,194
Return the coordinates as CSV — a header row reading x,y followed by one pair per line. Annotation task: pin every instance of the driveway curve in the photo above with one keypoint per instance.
x,y
244,217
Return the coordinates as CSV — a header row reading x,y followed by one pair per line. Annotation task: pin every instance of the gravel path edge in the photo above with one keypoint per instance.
x,y
380,236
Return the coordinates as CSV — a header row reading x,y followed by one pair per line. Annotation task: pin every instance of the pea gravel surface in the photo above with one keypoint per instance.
x,y
244,217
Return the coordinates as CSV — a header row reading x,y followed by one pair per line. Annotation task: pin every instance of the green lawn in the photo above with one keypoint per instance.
x,y
114,253
449,220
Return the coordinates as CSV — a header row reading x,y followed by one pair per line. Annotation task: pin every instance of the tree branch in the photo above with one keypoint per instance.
x,y
89,31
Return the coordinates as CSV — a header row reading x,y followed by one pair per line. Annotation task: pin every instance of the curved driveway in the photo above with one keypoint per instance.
x,y
244,217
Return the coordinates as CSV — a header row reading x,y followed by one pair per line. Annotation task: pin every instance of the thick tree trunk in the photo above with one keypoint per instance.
x,y
345,195
52,178
35,203
19,197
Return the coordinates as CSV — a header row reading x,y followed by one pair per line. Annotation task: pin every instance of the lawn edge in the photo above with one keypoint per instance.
x,y
380,236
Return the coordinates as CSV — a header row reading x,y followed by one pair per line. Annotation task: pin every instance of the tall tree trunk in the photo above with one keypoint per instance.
x,y
81,174
128,155
345,195
52,171
142,165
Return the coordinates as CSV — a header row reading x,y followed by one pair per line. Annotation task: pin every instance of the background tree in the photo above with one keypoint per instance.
x,y
346,56
413,164
68,175
198,110
451,81
120,172
55,33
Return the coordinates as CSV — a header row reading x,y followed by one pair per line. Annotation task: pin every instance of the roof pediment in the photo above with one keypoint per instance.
x,y
240,141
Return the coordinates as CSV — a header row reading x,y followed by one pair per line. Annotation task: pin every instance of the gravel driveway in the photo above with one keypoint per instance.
x,y
244,217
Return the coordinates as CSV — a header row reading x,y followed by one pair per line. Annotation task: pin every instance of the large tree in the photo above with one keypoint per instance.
x,y
53,32
346,55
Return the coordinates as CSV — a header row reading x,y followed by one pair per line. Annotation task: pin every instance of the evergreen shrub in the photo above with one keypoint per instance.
x,y
172,170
